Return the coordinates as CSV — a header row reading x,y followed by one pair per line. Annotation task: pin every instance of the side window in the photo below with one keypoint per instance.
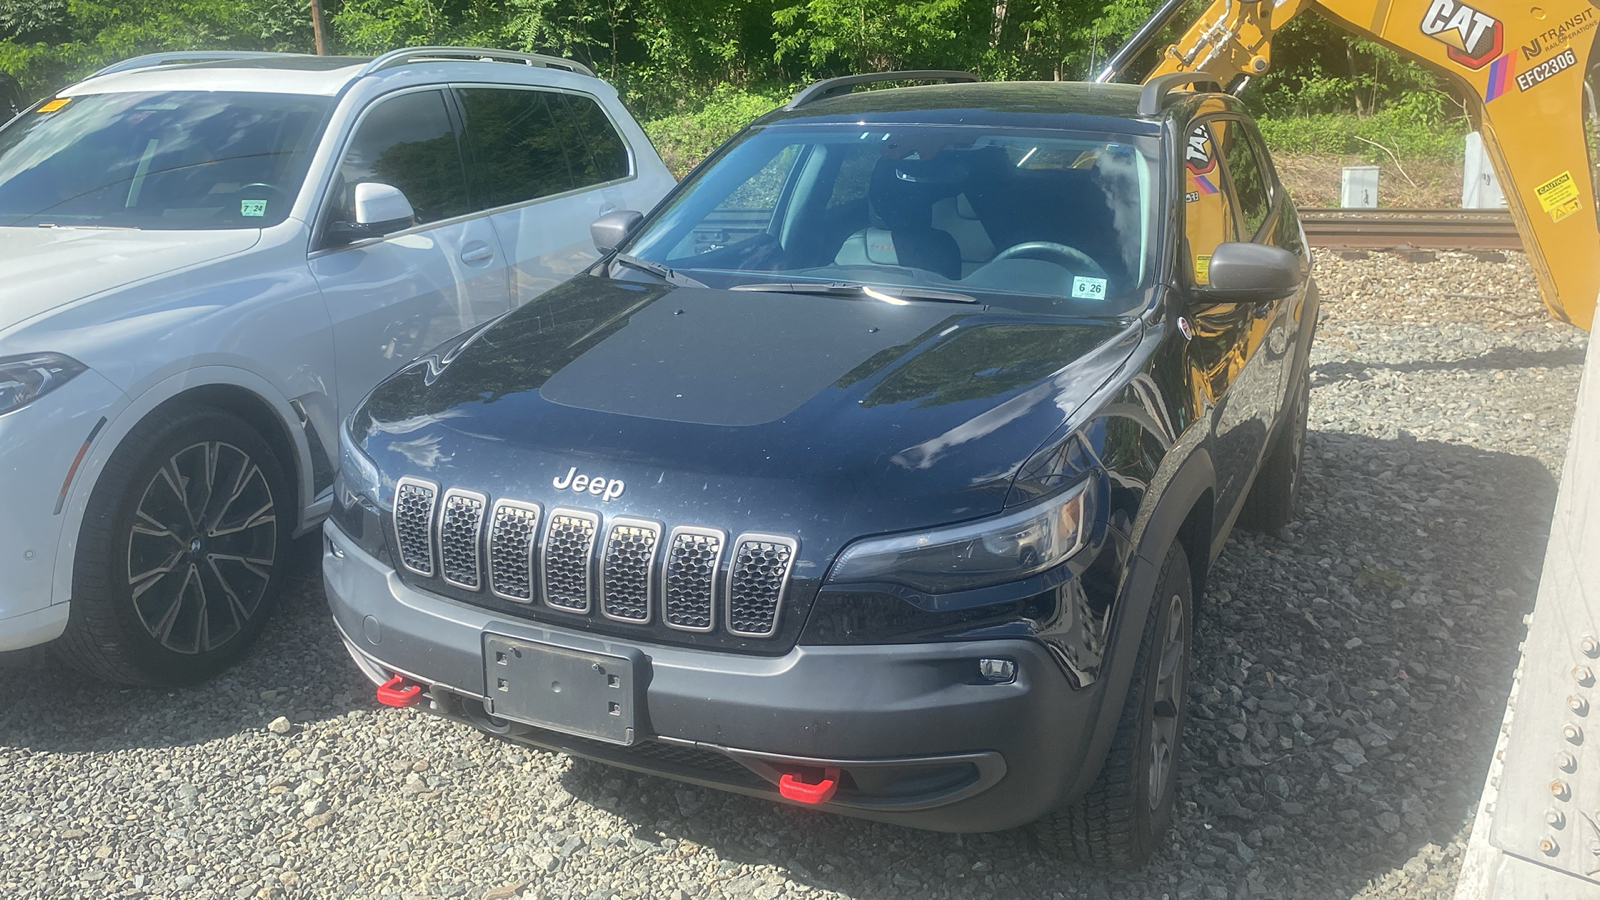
x,y
406,142
517,145
1251,184
745,212
597,152
1208,214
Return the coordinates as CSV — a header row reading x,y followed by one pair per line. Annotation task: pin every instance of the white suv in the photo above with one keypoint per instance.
x,y
206,259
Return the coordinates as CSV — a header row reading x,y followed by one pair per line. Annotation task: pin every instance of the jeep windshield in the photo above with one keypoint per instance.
x,y
1037,221
169,160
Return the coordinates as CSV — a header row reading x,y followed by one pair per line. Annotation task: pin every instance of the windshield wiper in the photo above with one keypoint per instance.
x,y
900,293
656,269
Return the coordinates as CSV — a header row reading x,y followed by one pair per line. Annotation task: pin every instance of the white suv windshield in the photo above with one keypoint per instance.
x,y
1043,221
201,160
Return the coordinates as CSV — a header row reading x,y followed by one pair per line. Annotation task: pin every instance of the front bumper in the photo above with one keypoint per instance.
x,y
922,739
38,445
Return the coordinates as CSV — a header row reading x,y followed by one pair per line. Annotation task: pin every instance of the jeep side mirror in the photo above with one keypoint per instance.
x,y
1251,273
611,229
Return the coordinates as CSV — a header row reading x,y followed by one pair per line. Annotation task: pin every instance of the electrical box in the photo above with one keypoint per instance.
x,y
1358,188
1480,189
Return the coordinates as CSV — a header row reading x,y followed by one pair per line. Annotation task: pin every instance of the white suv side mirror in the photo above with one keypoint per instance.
x,y
380,204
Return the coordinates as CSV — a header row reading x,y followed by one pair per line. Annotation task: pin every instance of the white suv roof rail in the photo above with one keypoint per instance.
x,y
151,60
396,58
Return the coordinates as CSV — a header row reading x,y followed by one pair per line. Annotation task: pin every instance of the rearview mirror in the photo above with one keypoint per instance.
x,y
1251,273
381,204
611,229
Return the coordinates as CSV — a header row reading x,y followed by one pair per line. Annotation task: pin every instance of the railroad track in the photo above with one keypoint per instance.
x,y
1443,229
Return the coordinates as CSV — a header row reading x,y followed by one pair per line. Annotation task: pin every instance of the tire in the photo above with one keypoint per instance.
x,y
159,598
1270,504
1125,814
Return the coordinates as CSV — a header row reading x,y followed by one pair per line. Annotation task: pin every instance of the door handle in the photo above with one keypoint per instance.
x,y
477,253
608,209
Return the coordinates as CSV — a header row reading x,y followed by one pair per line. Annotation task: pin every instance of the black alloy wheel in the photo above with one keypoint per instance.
x,y
1124,816
202,547
180,554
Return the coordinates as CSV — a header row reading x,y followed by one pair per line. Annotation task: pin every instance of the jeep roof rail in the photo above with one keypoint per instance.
x,y
832,87
1154,94
396,58
151,60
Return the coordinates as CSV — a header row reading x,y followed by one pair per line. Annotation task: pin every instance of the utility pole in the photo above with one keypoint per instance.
x,y
319,27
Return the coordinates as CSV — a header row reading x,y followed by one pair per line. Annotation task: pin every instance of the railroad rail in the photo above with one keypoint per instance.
x,y
1443,229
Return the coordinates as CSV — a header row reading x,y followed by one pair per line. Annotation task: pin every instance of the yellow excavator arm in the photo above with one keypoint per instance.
x,y
1525,65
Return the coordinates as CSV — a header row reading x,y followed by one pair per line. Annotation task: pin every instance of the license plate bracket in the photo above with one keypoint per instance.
x,y
563,689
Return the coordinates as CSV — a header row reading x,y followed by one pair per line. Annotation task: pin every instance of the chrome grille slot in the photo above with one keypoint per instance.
x,y
460,526
625,567
567,561
756,579
690,575
414,500
511,534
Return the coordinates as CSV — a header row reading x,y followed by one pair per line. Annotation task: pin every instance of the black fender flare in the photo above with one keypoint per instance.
x,y
1188,486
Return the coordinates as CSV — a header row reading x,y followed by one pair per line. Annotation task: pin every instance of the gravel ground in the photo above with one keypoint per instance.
x,y
1349,680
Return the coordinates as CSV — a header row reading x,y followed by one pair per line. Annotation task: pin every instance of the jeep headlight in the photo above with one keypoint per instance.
x,y
972,555
358,475
24,379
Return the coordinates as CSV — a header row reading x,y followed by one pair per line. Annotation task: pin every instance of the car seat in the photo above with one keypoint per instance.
x,y
900,200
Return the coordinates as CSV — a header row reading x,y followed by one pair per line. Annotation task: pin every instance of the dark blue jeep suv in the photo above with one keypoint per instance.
x,y
877,469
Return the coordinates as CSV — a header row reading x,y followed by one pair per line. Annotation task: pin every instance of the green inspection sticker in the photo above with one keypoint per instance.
x,y
252,208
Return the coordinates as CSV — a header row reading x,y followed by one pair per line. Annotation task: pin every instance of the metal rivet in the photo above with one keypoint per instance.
x,y
27,554
1591,647
1566,762
1549,846
1578,705
1583,675
1559,789
1572,733
1554,818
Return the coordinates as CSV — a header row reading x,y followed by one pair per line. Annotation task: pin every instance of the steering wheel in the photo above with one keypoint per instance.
x,y
1050,251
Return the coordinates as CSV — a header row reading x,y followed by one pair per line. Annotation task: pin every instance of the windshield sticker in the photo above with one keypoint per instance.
x,y
1562,33
1474,38
1088,288
252,207
1559,196
55,104
1558,63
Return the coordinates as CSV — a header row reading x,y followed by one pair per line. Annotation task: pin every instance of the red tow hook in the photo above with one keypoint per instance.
x,y
397,691
791,787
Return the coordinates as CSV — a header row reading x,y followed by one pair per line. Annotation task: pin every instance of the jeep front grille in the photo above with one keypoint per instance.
x,y
568,559
413,523
760,569
511,534
460,525
630,556
625,569
691,577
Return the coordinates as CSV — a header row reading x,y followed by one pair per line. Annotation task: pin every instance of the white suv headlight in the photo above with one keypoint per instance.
x,y
24,379
974,554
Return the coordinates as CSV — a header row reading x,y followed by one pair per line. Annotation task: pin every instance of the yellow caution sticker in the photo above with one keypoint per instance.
x,y
55,104
1202,268
1559,196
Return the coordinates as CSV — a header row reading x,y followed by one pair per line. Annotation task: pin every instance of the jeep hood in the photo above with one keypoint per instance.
x,y
743,409
43,268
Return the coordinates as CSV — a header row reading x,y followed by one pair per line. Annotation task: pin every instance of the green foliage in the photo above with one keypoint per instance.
x,y
698,69
684,138
1409,130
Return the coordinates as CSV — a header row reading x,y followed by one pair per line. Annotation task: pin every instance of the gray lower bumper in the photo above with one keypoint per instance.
x,y
873,708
